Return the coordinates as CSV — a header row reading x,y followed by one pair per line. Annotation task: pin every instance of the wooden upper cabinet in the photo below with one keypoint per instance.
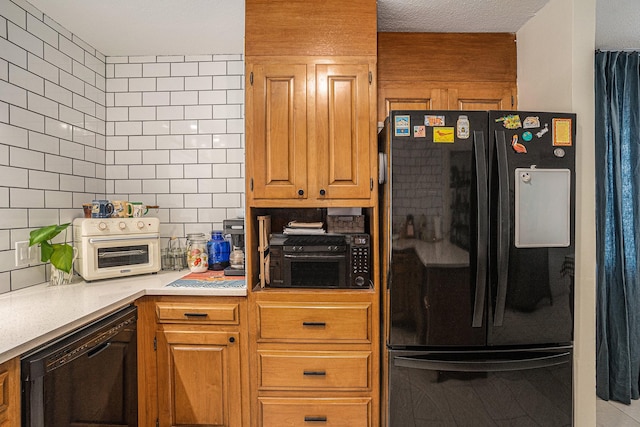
x,y
446,71
277,129
303,27
343,140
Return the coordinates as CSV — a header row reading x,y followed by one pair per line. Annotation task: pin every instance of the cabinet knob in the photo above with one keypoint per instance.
x,y
301,192
232,339
322,192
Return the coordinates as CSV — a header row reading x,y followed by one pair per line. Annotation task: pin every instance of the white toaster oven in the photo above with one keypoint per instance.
x,y
116,247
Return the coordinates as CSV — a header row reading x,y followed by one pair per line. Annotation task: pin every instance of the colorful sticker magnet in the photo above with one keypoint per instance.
x,y
517,147
511,121
434,120
527,136
562,132
401,125
531,122
419,132
542,131
444,135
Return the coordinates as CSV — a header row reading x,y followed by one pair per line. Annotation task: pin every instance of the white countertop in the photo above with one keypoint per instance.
x,y
33,316
441,253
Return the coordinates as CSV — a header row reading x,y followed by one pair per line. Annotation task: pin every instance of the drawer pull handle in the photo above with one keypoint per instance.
x,y
320,324
314,373
308,419
195,315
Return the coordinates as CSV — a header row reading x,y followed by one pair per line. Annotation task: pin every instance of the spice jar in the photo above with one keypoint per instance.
x,y
219,250
197,257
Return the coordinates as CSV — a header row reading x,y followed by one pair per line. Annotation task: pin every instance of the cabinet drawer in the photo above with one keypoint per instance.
x,y
312,370
168,312
322,412
317,322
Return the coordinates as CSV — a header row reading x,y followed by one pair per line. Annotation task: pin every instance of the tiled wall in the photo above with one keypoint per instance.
x,y
175,137
75,125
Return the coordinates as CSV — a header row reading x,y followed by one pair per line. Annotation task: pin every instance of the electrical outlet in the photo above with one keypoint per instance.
x,y
26,254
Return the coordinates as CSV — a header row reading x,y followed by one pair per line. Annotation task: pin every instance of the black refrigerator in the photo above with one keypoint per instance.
x,y
478,225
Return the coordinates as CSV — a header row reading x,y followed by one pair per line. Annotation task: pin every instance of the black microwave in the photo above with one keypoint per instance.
x,y
340,261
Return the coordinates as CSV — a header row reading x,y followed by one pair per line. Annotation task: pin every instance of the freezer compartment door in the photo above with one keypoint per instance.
x,y
480,388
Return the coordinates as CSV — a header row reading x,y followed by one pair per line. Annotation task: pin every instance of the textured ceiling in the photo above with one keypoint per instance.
x,y
182,27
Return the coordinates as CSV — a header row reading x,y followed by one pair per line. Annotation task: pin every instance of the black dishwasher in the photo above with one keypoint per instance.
x,y
88,377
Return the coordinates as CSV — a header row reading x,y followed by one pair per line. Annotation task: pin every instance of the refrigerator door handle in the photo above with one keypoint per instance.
x,y
482,229
482,365
503,228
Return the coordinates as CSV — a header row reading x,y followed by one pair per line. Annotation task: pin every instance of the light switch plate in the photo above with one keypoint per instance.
x,y
26,254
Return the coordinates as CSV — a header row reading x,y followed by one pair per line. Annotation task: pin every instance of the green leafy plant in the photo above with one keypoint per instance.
x,y
60,254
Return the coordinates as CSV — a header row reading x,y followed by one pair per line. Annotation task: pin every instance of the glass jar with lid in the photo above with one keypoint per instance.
x,y
219,250
197,256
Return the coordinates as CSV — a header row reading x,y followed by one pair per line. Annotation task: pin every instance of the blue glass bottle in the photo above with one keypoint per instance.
x,y
219,250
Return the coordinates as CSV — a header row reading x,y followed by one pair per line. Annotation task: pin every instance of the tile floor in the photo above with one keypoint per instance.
x,y
615,414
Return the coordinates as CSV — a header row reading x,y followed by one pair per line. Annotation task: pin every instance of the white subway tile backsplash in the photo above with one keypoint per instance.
x,y
215,216
42,68
84,73
13,53
4,70
235,67
13,218
13,94
44,143
142,172
235,185
217,185
13,13
71,49
71,149
142,142
117,172
217,68
58,199
23,78
94,94
227,82
170,58
226,111
142,113
42,105
58,164
156,70
197,141
141,59
128,128
58,129
82,168
83,104
212,126
227,199
43,180
4,112
184,156
14,136
25,277
57,58
117,60
226,171
235,96
117,114
155,157
169,142
198,83
26,119
3,27
160,127
197,200
84,137
72,83
25,39
94,155
130,186
117,85
58,93
145,84
84,45
71,116
184,186
169,171
213,97
235,126
198,112
168,201
26,198
4,154
170,113
198,171
184,69
128,99
155,186
183,215
128,70
170,83
14,177
94,124
235,155
41,30
72,183
198,58
184,127
212,156
184,98
129,157
94,63
155,98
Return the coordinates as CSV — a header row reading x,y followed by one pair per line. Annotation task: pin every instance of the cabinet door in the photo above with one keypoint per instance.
x,y
277,131
199,378
482,96
10,393
342,137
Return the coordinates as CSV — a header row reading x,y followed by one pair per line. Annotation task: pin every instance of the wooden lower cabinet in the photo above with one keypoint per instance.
x,y
330,412
10,393
194,373
315,358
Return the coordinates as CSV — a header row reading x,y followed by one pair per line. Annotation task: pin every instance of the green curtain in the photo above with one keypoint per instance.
x,y
617,89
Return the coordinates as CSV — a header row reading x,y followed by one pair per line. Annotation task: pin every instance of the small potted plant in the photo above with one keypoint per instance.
x,y
61,255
